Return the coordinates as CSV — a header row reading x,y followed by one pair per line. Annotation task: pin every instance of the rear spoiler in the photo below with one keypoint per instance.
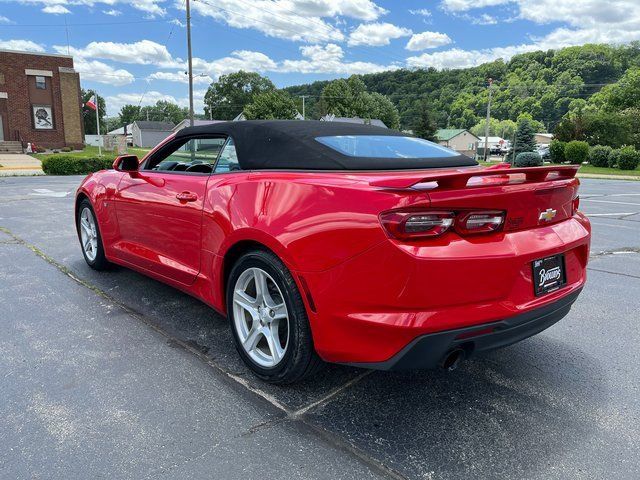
x,y
499,174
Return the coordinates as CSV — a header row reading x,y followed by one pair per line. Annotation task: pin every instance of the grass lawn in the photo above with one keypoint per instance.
x,y
608,171
92,152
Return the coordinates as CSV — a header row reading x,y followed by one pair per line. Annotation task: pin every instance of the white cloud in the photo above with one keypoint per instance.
x,y
206,71
423,12
464,5
96,71
25,45
296,20
238,60
329,59
278,18
586,21
5,20
112,13
181,77
483,19
116,102
376,34
143,52
151,7
425,40
56,9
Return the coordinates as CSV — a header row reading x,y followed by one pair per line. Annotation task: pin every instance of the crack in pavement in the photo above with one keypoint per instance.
x,y
298,415
617,251
613,273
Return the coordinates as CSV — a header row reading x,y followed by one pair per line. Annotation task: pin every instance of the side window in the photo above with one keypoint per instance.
x,y
228,161
196,156
41,83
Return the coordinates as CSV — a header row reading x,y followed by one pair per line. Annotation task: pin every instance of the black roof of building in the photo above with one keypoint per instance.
x,y
154,126
292,144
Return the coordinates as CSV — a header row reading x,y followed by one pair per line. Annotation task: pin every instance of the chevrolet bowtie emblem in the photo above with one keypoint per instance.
x,y
547,215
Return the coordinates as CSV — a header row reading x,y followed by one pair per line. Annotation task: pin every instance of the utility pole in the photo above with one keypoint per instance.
x,y
304,97
486,128
190,64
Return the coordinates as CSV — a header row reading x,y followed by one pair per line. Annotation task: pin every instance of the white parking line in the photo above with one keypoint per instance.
x,y
607,201
619,225
622,214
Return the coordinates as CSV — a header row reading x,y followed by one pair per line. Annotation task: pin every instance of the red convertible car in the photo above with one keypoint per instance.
x,y
345,243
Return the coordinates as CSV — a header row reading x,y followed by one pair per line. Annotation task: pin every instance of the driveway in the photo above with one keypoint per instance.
x,y
116,375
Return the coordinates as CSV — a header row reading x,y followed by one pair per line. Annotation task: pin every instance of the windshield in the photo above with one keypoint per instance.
x,y
384,146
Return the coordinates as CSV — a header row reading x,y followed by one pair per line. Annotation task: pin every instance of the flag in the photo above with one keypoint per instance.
x,y
92,103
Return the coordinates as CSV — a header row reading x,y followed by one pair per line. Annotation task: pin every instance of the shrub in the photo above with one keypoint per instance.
x,y
65,149
556,151
576,152
528,159
629,158
599,156
614,157
70,165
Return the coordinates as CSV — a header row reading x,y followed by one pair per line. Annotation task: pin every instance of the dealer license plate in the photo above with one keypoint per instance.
x,y
548,274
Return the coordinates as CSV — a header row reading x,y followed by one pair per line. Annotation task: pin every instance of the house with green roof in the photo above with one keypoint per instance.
x,y
458,139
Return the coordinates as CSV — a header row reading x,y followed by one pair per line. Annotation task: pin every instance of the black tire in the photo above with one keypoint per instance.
x,y
100,262
300,359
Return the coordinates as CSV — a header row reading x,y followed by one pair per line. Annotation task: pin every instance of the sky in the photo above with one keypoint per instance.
x,y
134,51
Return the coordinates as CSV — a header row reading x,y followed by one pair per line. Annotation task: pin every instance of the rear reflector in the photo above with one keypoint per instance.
x,y
575,205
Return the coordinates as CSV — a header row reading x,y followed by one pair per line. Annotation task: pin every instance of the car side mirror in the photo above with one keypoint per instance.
x,y
126,163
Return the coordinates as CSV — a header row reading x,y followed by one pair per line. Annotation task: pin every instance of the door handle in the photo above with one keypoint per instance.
x,y
187,197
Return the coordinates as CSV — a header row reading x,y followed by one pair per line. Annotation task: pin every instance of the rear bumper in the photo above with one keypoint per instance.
x,y
371,307
427,351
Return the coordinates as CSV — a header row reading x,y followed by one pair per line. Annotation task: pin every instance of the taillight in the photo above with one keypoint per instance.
x,y
479,222
405,225
575,204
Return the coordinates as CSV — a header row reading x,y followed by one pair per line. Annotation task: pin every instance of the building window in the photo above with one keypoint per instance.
x,y
41,83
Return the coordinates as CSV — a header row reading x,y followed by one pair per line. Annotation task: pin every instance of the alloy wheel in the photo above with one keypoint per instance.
x,y
88,234
260,317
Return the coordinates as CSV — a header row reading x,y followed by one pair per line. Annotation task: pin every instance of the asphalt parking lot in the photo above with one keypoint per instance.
x,y
113,375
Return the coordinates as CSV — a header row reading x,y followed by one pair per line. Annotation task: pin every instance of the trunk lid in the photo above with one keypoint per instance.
x,y
531,196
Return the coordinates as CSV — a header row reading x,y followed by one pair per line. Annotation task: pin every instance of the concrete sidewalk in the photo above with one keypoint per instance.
x,y
14,164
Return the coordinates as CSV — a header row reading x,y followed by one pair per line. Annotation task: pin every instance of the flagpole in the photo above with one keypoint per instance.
x,y
98,123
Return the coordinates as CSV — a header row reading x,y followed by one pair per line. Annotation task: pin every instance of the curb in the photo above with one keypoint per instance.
x,y
609,177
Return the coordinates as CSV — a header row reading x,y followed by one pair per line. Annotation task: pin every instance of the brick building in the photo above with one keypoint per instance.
x,y
40,100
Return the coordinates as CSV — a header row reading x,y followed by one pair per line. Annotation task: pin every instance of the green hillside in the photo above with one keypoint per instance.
x,y
543,84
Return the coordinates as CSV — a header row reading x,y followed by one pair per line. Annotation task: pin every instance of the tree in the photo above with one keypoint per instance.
x,y
89,115
525,139
129,114
274,105
227,97
164,111
349,98
497,128
385,110
425,128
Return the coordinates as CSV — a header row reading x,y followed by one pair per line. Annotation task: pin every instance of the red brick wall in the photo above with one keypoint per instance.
x,y
16,85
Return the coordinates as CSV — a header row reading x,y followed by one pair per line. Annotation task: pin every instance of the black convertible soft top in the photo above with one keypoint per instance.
x,y
292,144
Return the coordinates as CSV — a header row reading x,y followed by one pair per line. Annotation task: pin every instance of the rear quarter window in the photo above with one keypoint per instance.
x,y
384,146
